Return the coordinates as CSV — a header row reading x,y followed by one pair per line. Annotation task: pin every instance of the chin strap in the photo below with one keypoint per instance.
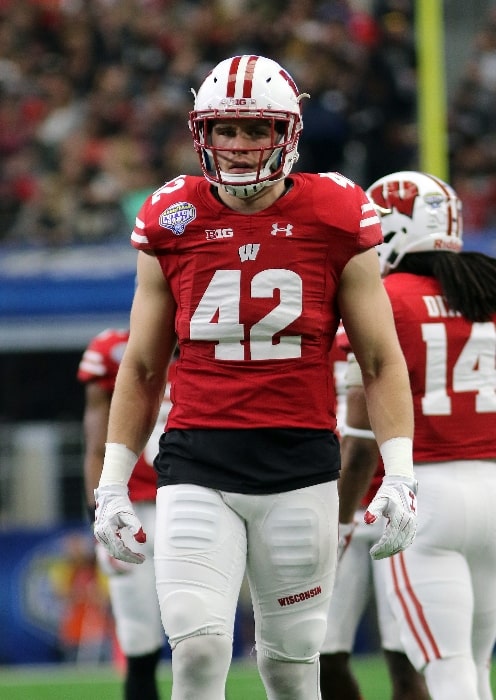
x,y
245,191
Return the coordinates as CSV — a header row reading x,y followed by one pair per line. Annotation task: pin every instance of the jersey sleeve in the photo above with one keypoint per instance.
x,y
169,209
370,229
344,207
100,360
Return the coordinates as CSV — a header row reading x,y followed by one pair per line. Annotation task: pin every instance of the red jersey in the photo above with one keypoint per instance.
x,y
256,297
100,363
452,372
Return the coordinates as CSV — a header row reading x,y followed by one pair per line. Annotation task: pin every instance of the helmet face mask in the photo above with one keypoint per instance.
x,y
419,213
254,88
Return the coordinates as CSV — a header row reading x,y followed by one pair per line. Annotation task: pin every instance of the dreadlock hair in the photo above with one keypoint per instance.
x,y
468,280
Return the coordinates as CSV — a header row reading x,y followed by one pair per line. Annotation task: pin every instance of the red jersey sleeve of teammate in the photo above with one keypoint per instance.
x,y
102,357
100,363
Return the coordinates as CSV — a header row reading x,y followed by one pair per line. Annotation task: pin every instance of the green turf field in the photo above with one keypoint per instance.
x,y
90,683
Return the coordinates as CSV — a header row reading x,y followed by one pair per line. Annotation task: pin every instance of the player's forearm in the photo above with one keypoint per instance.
x,y
359,459
389,403
134,409
133,414
390,410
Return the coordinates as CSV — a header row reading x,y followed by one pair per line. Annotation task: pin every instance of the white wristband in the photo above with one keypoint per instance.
x,y
397,457
118,464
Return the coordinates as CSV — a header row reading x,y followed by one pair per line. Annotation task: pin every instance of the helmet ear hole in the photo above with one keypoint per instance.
x,y
392,258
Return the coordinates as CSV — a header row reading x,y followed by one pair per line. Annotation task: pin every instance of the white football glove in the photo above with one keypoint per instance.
x,y
116,525
396,500
346,531
109,565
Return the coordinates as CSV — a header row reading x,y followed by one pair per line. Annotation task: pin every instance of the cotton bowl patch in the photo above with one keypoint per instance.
x,y
177,217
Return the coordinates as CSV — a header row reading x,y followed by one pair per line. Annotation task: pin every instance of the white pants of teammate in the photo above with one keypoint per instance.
x,y
358,577
443,587
134,598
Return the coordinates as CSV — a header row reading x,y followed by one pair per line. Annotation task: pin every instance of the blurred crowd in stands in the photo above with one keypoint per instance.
x,y
94,97
472,130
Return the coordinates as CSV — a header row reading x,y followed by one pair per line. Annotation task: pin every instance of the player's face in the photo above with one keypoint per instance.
x,y
241,141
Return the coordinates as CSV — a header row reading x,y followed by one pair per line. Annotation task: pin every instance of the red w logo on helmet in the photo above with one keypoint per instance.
x,y
396,195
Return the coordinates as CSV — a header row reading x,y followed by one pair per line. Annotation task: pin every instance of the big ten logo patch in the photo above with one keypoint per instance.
x,y
215,233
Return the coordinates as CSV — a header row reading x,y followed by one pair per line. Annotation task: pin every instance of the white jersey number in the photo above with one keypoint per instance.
x,y
474,369
171,186
216,317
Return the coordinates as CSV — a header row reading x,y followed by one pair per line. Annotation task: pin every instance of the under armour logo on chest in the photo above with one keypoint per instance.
x,y
282,229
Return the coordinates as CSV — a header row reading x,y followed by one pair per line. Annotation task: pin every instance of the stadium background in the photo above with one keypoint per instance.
x,y
93,104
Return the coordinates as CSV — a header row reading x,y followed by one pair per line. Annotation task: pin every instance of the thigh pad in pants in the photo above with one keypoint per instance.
x,y
292,546
200,557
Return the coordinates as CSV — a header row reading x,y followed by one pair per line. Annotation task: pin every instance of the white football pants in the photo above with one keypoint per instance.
x,y
286,542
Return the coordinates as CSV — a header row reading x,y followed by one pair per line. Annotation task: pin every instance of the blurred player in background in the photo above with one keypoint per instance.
x,y
358,576
249,270
444,304
132,588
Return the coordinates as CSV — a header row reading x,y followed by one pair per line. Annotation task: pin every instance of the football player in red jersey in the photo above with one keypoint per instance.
x,y
249,269
132,588
444,305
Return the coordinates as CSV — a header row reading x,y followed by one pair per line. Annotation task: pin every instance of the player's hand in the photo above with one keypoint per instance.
x,y
396,500
109,565
346,531
116,524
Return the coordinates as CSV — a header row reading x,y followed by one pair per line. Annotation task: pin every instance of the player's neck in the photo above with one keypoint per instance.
x,y
250,205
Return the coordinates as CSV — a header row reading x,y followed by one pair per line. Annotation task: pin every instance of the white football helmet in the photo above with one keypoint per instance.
x,y
248,87
419,212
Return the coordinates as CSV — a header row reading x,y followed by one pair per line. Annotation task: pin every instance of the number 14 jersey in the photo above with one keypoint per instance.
x,y
452,365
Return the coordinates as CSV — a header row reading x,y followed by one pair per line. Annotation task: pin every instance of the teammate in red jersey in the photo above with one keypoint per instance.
x,y
132,588
444,304
249,270
359,577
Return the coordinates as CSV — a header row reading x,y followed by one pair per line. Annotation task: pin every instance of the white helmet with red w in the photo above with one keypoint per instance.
x,y
419,212
251,87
